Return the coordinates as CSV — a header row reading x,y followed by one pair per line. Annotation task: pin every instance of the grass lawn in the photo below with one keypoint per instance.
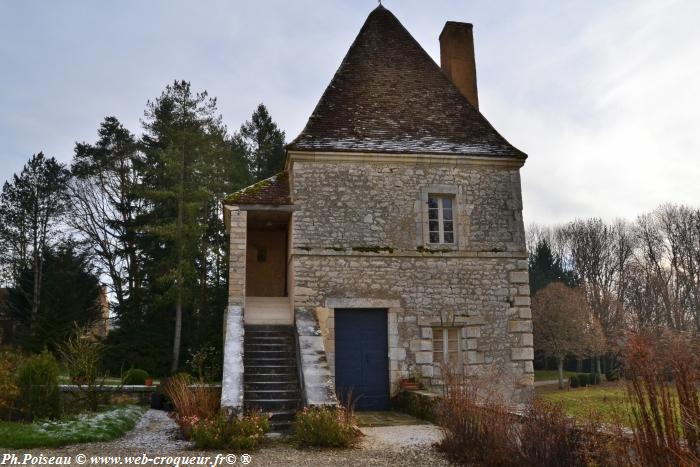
x,y
546,375
83,428
109,381
609,401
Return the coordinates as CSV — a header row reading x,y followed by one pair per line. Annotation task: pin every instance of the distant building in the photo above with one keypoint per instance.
x,y
101,326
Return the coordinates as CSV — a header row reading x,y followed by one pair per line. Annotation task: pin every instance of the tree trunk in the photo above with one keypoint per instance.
x,y
35,290
560,369
180,282
178,330
597,362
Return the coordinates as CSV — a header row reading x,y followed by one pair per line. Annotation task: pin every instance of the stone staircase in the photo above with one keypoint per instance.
x,y
270,378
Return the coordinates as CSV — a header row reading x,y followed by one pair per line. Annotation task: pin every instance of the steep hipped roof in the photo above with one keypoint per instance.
x,y
271,191
389,96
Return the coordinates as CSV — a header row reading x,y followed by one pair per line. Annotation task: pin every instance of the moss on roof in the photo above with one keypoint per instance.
x,y
273,190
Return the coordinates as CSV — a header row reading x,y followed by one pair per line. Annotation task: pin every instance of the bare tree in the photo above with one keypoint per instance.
x,y
104,203
560,316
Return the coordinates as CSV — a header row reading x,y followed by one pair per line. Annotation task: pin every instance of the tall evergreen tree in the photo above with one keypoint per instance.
x,y
31,207
186,153
264,143
70,295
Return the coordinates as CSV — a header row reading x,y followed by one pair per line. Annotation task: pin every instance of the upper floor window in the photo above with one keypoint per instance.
x,y
440,219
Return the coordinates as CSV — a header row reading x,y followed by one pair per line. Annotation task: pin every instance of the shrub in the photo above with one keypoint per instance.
x,y
613,374
475,424
9,392
82,357
582,380
230,433
665,423
573,381
479,430
37,379
324,427
135,376
549,438
205,363
192,402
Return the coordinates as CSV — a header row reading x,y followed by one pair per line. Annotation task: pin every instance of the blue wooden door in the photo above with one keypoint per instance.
x,y
361,357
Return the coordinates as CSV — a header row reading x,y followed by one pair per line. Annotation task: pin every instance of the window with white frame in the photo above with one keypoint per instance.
x,y
447,347
441,219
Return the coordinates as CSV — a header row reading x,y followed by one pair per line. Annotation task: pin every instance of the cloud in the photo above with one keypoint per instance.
x,y
622,143
603,96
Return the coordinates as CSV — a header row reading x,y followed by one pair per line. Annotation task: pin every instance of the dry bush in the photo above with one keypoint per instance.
x,y
477,427
662,370
480,430
192,402
548,437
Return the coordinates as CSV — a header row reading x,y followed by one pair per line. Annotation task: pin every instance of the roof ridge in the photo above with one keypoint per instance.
x,y
388,95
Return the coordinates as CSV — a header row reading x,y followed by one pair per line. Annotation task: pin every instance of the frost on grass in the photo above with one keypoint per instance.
x,y
86,427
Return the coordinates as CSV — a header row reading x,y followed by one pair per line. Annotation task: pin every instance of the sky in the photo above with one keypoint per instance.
x,y
604,96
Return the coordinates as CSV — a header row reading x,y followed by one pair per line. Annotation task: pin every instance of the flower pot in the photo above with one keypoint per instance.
x,y
409,385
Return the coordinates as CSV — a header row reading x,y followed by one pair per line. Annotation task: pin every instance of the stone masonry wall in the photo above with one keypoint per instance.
x,y
345,205
359,234
486,297
232,381
237,256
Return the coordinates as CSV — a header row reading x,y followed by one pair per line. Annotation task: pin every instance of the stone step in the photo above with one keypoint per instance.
x,y
281,421
289,385
276,361
267,405
271,394
270,373
285,377
264,335
268,347
270,369
284,353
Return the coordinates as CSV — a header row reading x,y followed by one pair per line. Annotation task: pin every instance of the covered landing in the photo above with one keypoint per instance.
x,y
269,211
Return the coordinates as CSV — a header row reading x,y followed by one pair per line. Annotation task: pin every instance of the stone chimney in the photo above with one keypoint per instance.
x,y
457,58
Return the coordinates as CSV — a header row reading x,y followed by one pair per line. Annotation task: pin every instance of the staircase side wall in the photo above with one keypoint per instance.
x,y
317,384
232,381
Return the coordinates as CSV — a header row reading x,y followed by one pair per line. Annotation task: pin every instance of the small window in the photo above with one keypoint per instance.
x,y
447,347
262,254
440,219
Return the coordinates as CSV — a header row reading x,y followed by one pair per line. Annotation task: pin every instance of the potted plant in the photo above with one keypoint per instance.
x,y
410,384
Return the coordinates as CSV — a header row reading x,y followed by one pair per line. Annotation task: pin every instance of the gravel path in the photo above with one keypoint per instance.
x,y
156,431
157,434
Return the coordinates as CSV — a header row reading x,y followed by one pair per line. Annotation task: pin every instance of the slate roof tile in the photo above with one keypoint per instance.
x,y
271,191
389,96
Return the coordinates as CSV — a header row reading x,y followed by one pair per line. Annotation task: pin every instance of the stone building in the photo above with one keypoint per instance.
x,y
392,242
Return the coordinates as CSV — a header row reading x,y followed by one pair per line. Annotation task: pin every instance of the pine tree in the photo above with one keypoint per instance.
x,y
184,172
545,267
264,142
31,207
70,295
